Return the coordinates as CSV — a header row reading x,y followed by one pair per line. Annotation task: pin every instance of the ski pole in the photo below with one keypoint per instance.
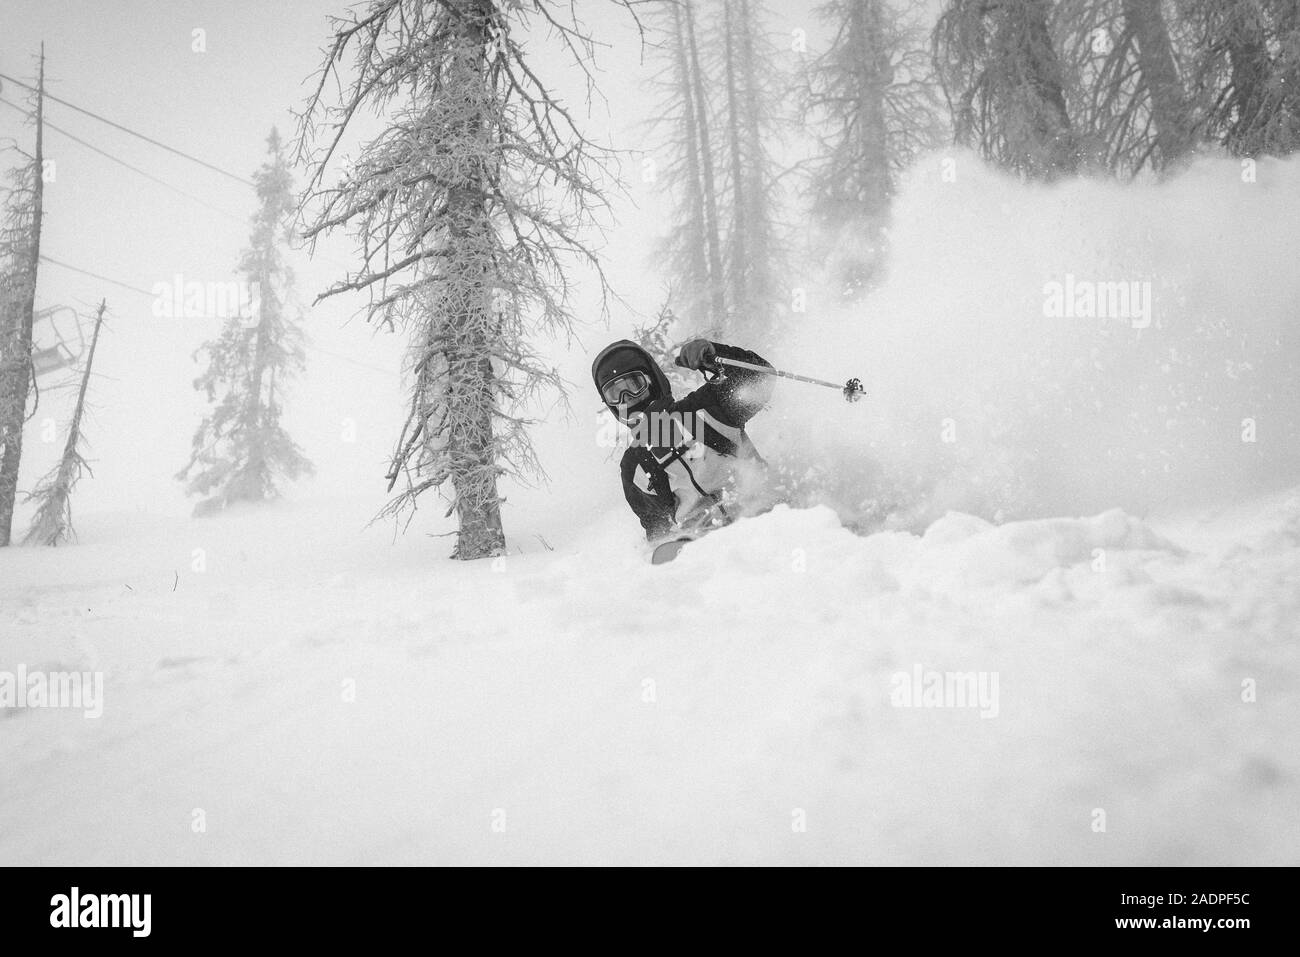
x,y
853,390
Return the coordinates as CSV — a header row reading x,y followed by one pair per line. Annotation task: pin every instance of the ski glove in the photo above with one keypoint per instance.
x,y
697,354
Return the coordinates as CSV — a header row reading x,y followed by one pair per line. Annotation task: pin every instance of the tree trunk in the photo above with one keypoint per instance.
x,y
471,391
759,215
1049,148
258,478
16,363
737,241
697,252
1250,67
865,36
1170,109
712,228
74,430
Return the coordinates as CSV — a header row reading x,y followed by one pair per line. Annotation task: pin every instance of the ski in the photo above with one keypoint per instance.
x,y
666,551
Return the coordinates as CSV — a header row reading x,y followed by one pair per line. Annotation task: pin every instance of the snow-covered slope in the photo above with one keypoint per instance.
x,y
286,685
316,695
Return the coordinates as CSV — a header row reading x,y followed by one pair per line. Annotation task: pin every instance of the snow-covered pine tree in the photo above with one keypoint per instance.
x,y
52,523
871,96
467,206
20,255
1003,78
241,451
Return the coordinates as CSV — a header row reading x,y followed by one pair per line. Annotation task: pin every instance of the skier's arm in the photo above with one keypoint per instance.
x,y
655,510
737,397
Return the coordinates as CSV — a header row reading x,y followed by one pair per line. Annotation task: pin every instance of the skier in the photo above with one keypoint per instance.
x,y
690,466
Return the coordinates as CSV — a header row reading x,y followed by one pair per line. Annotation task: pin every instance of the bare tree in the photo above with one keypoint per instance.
x,y
467,206
1003,78
240,449
52,523
20,255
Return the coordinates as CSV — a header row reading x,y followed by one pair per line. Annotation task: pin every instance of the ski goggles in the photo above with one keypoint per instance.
x,y
626,388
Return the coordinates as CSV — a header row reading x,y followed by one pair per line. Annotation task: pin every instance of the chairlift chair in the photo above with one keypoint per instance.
x,y
57,339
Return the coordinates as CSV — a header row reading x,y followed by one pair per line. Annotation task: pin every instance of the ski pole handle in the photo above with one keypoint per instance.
x,y
710,366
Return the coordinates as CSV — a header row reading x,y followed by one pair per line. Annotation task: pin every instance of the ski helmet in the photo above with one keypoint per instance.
x,y
628,379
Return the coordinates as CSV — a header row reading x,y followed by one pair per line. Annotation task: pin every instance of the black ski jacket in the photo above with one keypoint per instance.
x,y
679,473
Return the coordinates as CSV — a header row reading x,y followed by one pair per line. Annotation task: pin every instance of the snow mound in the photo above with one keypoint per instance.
x,y
959,548
1023,552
